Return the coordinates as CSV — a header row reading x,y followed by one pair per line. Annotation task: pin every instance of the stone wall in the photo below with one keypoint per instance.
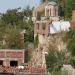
x,y
68,69
38,27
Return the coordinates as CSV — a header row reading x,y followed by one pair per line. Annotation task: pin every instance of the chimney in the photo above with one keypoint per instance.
x,y
73,20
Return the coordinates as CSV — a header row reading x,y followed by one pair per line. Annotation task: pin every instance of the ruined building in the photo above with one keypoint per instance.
x,y
42,16
46,20
47,25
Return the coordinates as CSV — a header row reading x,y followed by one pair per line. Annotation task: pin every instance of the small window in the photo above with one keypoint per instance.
x,y
13,63
1,62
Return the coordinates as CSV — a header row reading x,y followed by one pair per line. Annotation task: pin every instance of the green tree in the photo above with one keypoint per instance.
x,y
29,35
13,19
55,60
27,11
70,40
67,6
14,39
10,17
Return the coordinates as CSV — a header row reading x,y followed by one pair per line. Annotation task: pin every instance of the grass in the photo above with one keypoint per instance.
x,y
59,73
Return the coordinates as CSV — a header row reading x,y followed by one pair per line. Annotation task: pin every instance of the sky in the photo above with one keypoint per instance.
x,y
11,4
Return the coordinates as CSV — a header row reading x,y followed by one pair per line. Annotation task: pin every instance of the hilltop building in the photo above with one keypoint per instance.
x,y
47,25
47,20
46,10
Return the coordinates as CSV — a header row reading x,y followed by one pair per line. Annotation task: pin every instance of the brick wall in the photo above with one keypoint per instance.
x,y
73,19
11,55
72,24
40,30
2,54
73,15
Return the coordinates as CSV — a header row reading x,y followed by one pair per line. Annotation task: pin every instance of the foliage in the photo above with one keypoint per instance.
x,y
56,73
29,35
59,73
28,12
70,39
36,41
10,17
16,41
72,61
55,60
66,8
12,23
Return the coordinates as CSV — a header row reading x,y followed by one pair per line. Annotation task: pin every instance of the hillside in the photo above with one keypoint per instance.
x,y
17,24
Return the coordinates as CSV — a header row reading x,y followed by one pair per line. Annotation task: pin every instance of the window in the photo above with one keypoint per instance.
x,y
1,62
13,63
